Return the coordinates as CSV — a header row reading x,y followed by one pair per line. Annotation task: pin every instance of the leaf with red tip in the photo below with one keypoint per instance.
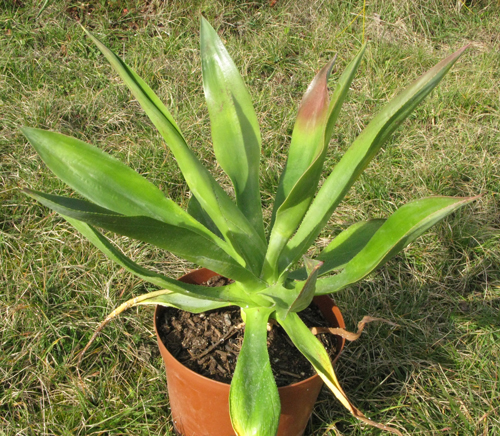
x,y
300,177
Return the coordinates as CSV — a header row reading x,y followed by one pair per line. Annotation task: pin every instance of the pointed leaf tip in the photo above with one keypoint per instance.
x,y
315,101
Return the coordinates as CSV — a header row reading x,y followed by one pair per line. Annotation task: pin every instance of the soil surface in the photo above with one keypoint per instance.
x,y
209,343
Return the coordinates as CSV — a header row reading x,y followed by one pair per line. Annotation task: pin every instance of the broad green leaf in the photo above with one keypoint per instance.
x,y
343,248
232,223
314,351
178,240
196,211
300,177
235,128
358,156
306,295
254,402
401,228
106,181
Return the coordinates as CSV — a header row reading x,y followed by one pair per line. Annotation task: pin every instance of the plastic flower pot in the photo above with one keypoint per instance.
x,y
200,405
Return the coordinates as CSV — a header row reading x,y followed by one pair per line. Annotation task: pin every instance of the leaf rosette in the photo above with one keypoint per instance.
x,y
229,235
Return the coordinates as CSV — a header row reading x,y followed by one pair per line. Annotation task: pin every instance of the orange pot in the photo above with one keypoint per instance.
x,y
200,406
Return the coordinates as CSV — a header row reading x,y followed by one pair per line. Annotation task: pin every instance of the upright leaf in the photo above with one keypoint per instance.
x,y
340,92
196,211
254,403
300,177
235,128
358,156
401,228
232,223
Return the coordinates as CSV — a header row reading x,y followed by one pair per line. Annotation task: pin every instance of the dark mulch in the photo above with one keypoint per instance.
x,y
209,343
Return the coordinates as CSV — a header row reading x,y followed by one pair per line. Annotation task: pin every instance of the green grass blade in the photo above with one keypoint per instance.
x,y
401,228
343,248
254,403
314,351
178,240
229,219
358,157
300,177
235,128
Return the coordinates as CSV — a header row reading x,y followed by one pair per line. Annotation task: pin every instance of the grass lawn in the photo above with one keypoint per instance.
x,y
437,373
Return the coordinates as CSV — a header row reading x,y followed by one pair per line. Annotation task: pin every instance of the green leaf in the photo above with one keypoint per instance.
x,y
358,156
343,248
306,295
235,128
254,402
180,241
314,351
104,180
401,228
340,92
229,219
196,211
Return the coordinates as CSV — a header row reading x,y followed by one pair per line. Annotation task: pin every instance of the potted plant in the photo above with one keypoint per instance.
x,y
228,235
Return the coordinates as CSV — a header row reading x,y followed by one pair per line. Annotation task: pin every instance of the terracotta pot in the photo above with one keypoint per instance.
x,y
200,405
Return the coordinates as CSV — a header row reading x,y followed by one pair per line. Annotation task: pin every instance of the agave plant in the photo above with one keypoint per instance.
x,y
228,235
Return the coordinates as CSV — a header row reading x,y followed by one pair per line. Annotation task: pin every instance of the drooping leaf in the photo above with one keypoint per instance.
x,y
235,128
183,302
254,403
163,297
178,292
401,228
180,241
359,155
231,222
343,248
314,351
